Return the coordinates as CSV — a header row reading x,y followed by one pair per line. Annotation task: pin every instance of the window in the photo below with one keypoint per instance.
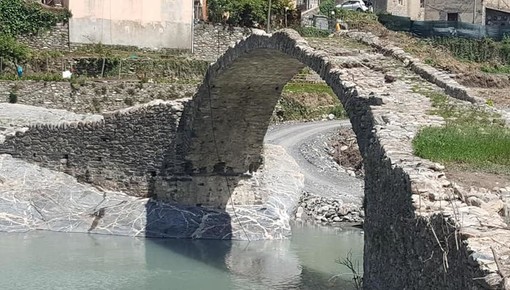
x,y
422,3
453,17
400,2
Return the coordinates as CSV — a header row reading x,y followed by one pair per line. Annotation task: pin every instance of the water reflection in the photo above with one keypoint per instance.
x,y
307,261
47,260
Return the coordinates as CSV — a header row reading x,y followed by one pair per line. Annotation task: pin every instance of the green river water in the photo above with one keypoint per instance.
x,y
50,260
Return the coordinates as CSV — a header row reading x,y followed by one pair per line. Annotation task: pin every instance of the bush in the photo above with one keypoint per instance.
x,y
311,32
27,17
327,6
13,97
12,50
478,50
246,12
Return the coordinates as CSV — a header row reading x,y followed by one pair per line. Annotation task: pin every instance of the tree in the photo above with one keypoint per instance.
x,y
245,12
327,6
13,50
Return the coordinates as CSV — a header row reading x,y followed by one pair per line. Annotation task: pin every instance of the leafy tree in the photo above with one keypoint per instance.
x,y
327,6
13,50
246,12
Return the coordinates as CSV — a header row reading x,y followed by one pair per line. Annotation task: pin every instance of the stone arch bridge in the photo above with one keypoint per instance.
x,y
193,151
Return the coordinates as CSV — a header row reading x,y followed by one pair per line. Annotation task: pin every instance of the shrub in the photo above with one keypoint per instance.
x,y
246,12
311,32
12,50
13,97
27,17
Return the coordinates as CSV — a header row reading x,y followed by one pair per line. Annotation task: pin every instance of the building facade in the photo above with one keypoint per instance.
x,y
415,9
149,24
455,10
484,12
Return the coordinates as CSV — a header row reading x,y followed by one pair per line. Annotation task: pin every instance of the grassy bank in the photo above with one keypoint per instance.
x,y
302,101
472,139
476,147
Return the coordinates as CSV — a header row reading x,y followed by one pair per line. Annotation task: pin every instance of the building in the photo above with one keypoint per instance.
x,y
484,12
455,10
415,9
149,23
200,10
304,5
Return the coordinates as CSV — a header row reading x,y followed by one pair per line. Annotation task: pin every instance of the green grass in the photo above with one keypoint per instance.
x,y
473,138
309,101
483,148
496,69
295,111
308,88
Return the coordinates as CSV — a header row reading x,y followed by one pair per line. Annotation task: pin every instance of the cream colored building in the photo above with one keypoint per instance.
x,y
415,9
141,23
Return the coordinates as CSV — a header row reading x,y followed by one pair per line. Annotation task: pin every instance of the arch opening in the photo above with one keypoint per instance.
x,y
223,127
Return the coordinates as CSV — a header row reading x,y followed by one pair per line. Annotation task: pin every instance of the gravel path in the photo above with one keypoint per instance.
x,y
308,144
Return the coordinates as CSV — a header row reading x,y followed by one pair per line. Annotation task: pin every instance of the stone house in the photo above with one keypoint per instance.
x,y
415,9
148,24
485,12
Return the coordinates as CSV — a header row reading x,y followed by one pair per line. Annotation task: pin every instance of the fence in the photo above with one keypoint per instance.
x,y
443,28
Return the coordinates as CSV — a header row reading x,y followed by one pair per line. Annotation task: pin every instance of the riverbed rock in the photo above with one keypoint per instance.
x,y
328,210
35,198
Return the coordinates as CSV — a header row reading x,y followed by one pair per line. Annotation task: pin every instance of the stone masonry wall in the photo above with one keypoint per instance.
x,y
124,151
90,96
210,41
56,38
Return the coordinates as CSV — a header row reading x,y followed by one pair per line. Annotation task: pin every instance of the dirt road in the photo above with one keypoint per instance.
x,y
308,143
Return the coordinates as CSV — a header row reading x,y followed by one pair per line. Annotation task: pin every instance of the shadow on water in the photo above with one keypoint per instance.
x,y
307,263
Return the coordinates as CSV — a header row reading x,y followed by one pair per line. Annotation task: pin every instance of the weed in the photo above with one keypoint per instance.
x,y
129,102
13,97
354,267
96,105
97,91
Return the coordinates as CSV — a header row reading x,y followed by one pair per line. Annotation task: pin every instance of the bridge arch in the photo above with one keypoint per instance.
x,y
223,127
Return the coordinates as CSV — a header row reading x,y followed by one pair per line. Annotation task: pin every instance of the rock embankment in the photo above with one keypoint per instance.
x,y
345,152
327,211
